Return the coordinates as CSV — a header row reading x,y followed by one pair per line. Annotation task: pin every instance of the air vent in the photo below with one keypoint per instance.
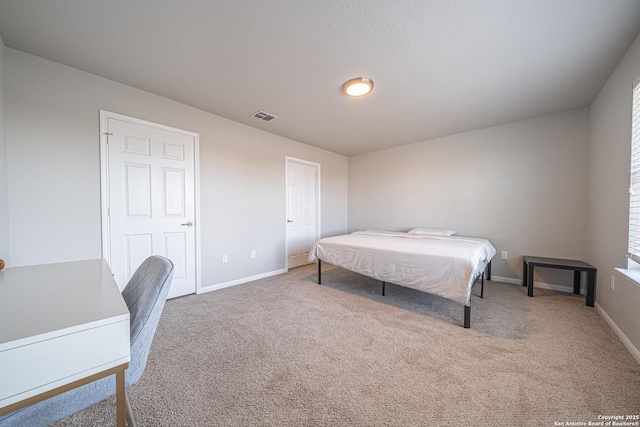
x,y
264,116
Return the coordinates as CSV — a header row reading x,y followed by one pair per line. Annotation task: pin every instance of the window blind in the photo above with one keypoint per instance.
x,y
634,189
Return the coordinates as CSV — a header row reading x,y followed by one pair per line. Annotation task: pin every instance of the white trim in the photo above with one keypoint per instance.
x,y
104,188
104,184
632,275
317,166
210,288
196,189
540,285
509,280
128,119
627,343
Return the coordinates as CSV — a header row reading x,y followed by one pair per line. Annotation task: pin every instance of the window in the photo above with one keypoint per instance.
x,y
634,190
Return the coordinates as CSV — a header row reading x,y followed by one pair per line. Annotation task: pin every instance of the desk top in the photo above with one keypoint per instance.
x,y
59,323
43,301
556,262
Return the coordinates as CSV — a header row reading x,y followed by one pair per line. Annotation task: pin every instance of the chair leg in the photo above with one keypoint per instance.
x,y
131,419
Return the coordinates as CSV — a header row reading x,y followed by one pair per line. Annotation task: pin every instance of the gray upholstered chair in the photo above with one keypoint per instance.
x,y
145,295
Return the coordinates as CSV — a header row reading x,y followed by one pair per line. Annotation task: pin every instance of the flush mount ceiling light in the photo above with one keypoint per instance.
x,y
359,86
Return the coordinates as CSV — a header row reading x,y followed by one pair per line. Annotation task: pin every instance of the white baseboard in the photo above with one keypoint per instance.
x,y
210,288
627,343
541,285
506,280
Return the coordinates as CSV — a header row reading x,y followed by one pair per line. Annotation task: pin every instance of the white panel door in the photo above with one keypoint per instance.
x,y
302,210
151,196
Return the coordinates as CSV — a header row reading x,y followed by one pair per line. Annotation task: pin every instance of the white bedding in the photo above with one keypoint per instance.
x,y
443,265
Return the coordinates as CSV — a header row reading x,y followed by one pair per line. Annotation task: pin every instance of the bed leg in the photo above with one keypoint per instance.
x,y
482,287
467,316
383,283
489,271
319,272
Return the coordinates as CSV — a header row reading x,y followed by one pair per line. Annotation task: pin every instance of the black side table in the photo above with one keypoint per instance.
x,y
529,262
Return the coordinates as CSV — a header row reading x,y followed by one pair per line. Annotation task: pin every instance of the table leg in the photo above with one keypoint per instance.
x,y
524,273
530,280
120,399
576,281
591,287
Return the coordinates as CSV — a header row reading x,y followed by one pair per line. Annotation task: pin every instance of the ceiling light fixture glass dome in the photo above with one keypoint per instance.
x,y
359,86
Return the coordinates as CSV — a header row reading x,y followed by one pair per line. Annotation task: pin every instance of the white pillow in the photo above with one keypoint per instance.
x,y
432,231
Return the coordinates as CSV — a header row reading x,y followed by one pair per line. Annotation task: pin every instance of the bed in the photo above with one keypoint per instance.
x,y
444,265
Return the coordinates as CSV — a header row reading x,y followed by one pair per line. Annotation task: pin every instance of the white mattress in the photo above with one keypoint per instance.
x,y
443,265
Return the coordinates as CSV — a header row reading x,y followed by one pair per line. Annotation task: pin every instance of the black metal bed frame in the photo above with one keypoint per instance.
x,y
467,308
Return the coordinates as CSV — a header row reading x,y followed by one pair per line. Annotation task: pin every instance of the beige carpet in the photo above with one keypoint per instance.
x,y
285,351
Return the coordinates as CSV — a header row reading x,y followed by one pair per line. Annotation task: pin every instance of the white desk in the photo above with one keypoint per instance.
x,y
61,326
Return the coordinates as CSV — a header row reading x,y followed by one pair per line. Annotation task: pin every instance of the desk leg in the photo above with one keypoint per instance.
x,y
524,273
120,399
576,281
591,287
530,280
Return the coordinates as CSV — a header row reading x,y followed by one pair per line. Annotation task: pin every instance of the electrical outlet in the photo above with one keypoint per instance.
x,y
613,283
505,255
225,258
253,253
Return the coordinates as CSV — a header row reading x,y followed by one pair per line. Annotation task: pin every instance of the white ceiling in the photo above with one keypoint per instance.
x,y
440,66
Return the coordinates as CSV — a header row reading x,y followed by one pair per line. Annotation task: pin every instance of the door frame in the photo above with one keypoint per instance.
x,y
317,166
104,184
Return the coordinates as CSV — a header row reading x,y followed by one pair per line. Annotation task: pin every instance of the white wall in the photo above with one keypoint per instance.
x,y
4,195
521,185
609,169
54,172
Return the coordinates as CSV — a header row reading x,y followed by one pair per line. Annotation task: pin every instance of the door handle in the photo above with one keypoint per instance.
x,y
188,223
288,221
